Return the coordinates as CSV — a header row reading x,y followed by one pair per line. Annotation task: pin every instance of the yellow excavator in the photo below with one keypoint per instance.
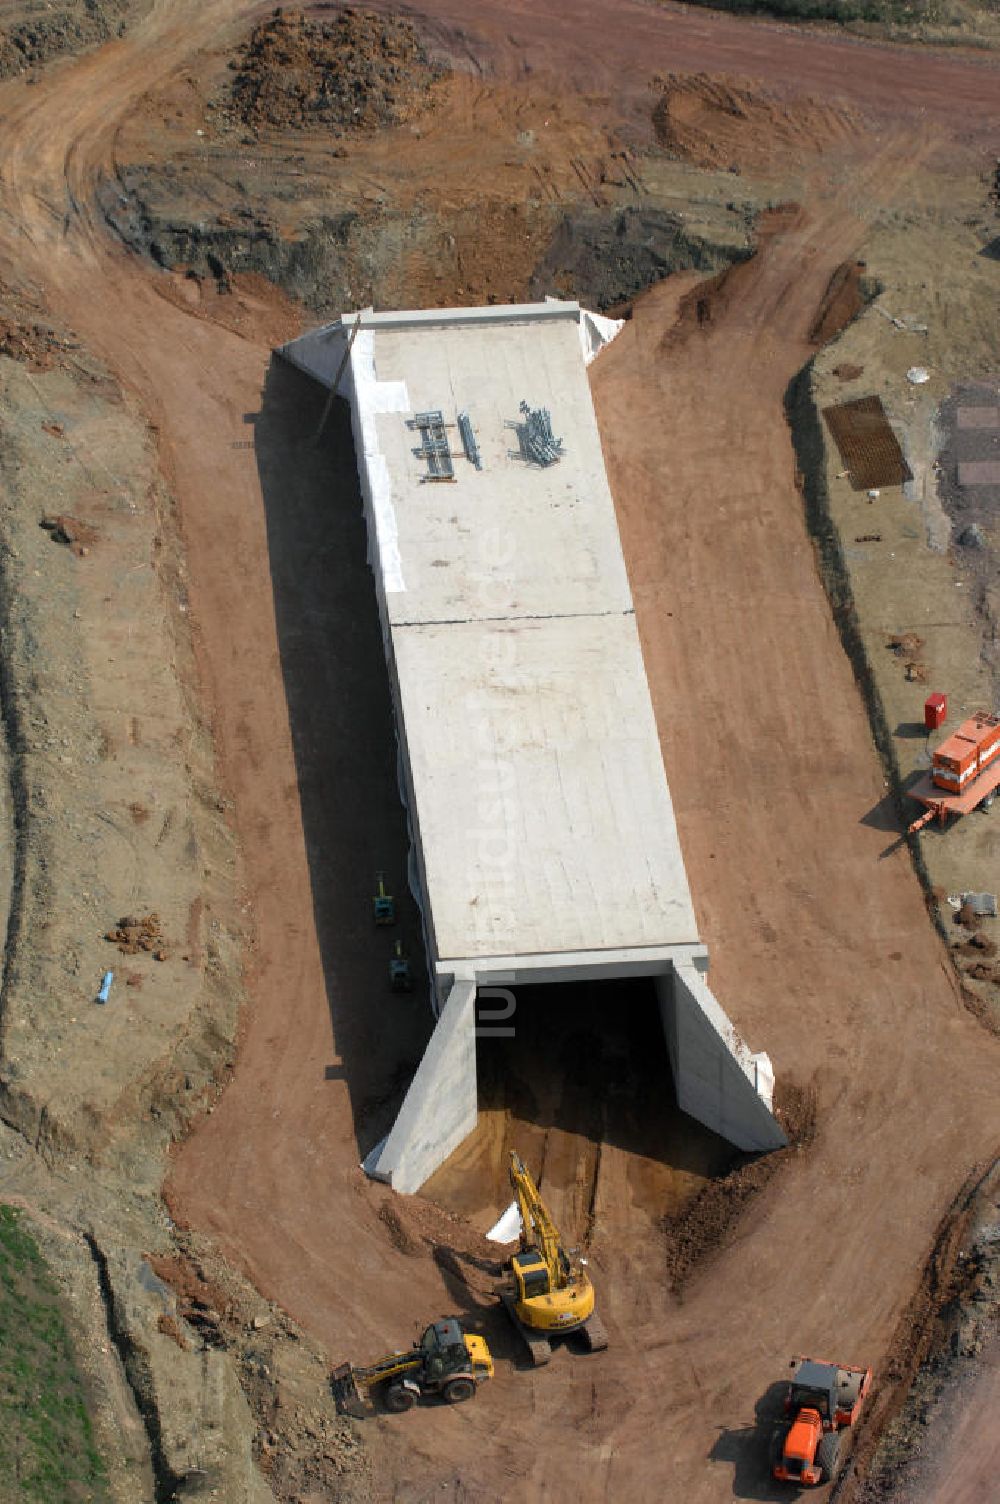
x,y
551,1294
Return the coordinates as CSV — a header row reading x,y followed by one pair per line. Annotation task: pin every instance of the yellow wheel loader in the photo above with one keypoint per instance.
x,y
447,1361
551,1295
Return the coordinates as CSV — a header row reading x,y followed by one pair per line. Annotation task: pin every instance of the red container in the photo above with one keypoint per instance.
x,y
935,711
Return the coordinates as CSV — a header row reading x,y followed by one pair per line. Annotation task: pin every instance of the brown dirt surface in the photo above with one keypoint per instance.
x,y
701,1228
301,1446
803,910
169,1326
33,35
132,935
357,71
29,342
26,336
713,122
914,1447
79,537
905,644
709,302
197,1295
842,302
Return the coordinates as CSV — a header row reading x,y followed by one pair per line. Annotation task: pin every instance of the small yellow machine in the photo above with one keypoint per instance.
x,y
552,1295
400,975
383,903
448,1361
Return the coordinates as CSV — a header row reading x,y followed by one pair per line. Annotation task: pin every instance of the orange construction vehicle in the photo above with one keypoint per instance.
x,y
822,1400
965,771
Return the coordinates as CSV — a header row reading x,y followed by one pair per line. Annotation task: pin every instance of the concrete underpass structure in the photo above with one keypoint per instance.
x,y
543,841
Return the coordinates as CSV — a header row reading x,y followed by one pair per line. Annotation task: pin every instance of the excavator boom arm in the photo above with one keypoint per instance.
x,y
537,1227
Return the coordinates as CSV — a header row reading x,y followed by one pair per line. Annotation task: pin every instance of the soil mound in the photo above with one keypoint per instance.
x,y
33,343
714,123
928,1376
708,302
77,536
841,303
29,42
605,259
703,1226
133,935
355,71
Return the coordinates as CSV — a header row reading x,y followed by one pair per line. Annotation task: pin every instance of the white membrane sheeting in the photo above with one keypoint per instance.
x,y
371,398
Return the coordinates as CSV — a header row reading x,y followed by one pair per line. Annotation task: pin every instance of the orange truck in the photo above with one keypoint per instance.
x,y
821,1402
965,771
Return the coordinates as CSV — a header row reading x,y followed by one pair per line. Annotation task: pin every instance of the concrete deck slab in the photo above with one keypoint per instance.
x,y
530,753
545,818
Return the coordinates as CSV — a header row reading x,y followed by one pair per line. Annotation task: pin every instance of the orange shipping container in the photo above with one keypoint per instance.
x,y
968,752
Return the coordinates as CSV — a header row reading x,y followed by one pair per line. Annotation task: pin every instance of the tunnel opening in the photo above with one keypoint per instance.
x,y
578,1080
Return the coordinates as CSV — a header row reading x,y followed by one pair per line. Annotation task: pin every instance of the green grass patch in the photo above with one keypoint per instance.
x,y
975,21
47,1451
834,10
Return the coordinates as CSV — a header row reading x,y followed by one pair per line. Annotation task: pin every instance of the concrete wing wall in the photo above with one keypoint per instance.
x,y
717,1079
440,1108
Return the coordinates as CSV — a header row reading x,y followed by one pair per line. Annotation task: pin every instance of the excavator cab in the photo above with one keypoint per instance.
x,y
531,1275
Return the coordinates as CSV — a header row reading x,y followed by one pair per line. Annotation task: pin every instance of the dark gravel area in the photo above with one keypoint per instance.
x,y
31,36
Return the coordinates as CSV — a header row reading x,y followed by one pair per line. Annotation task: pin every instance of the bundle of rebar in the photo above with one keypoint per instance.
x,y
538,440
434,447
469,440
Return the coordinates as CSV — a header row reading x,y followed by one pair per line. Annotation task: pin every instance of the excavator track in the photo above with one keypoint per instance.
x,y
538,1345
594,1334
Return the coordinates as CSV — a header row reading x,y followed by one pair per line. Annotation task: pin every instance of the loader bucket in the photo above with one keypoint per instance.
x,y
347,1393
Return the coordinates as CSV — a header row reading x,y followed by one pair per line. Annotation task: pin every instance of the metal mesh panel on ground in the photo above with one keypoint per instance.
x,y
867,444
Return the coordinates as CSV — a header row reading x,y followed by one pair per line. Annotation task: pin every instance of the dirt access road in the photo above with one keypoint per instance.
x,y
574,40
821,950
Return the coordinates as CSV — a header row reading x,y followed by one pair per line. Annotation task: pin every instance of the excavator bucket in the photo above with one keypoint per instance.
x,y
347,1394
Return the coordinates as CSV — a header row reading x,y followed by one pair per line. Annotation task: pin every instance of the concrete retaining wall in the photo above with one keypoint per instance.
x,y
441,1106
718,1080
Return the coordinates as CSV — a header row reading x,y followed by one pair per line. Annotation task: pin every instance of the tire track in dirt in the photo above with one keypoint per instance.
x,y
573,41
733,619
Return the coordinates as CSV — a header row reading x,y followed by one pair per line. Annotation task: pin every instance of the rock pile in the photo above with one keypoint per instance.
x,y
354,71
